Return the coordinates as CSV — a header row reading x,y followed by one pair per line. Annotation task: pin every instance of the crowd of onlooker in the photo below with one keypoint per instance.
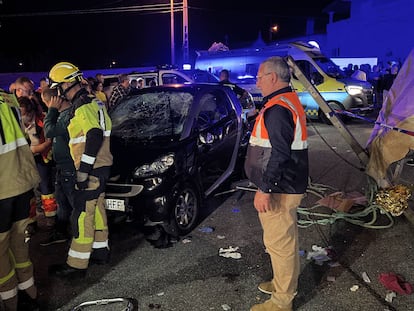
x,y
381,77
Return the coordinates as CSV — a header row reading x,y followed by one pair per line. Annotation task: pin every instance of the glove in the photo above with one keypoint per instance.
x,y
82,180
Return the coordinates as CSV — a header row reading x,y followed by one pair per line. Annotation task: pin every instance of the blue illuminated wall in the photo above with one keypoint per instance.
x,y
376,28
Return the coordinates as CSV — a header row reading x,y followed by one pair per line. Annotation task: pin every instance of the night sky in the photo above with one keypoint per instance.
x,y
46,32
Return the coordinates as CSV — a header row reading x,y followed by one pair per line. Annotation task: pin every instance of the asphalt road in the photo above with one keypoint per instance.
x,y
192,276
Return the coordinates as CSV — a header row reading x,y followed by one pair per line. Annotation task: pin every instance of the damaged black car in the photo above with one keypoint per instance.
x,y
173,146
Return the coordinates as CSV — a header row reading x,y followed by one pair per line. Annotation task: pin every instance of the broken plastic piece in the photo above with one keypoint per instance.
x,y
390,296
206,229
226,307
365,277
230,252
354,288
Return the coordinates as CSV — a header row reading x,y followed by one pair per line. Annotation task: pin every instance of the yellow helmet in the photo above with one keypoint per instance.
x,y
64,72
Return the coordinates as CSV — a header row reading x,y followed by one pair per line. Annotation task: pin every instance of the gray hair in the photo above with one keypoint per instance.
x,y
278,65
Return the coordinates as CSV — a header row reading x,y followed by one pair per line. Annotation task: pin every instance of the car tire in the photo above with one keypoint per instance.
x,y
186,208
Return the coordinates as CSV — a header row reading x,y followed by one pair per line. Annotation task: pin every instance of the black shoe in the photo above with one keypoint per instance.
x,y
54,238
66,271
100,256
26,303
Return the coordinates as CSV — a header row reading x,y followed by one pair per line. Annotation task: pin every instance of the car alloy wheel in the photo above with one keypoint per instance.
x,y
186,209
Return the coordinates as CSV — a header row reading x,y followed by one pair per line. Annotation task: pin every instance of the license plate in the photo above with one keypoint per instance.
x,y
115,205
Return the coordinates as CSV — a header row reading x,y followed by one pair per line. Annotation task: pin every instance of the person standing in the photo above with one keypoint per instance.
x,y
18,178
55,127
277,163
225,80
120,91
33,123
89,132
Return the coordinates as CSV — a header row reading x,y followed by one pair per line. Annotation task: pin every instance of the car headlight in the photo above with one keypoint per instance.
x,y
159,166
353,89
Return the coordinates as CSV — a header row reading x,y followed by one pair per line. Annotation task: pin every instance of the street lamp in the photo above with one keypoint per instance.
x,y
273,29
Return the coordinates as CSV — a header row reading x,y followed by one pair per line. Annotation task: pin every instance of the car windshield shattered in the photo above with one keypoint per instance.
x,y
151,115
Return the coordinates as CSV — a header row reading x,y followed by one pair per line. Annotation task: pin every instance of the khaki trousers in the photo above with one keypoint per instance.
x,y
280,237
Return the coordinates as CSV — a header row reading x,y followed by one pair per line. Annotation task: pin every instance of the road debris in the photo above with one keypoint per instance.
x,y
230,252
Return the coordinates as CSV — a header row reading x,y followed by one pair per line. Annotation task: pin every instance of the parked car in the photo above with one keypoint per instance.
x,y
174,145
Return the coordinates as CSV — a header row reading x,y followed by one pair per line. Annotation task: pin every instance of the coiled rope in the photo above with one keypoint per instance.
x,y
312,217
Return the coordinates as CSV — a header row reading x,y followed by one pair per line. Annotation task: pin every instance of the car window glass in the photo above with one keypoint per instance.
x,y
149,115
213,107
171,78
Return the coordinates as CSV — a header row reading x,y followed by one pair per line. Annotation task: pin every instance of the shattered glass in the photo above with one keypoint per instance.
x,y
150,115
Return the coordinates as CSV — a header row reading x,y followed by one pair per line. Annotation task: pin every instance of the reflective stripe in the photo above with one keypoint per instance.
x,y
7,277
104,244
13,145
88,159
82,139
80,255
257,141
102,119
77,140
22,265
9,294
26,284
259,136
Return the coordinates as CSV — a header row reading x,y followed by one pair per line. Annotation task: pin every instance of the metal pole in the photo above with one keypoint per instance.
x,y
172,32
185,32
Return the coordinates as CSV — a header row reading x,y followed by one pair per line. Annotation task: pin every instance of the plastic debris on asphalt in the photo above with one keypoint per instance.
x,y
354,288
226,307
160,294
221,237
365,277
230,252
318,254
390,296
206,229
236,210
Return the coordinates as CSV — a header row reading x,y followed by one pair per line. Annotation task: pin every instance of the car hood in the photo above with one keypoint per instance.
x,y
128,155
351,81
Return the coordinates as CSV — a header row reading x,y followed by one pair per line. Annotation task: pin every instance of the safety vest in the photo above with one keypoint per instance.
x,y
86,117
17,166
260,136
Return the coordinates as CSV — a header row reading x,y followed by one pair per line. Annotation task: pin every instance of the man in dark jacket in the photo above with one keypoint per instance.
x,y
56,127
277,163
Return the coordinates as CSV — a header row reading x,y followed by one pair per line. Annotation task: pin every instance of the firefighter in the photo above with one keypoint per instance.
x,y
89,130
18,178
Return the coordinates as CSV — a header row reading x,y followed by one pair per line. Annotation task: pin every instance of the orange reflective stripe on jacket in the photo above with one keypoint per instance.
x,y
260,136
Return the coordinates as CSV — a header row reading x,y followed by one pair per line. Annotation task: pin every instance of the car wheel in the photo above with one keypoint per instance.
x,y
186,209
336,107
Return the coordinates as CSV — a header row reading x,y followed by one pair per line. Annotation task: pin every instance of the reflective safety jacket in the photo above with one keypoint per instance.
x,y
89,132
17,166
277,155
